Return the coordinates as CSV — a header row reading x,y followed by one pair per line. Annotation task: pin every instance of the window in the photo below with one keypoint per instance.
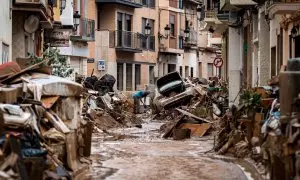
x,y
128,77
5,53
145,2
171,68
149,3
273,61
210,71
192,72
151,74
180,4
180,70
186,71
120,76
172,25
124,34
180,43
137,75
148,42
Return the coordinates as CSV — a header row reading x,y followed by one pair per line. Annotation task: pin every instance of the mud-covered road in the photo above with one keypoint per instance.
x,y
143,154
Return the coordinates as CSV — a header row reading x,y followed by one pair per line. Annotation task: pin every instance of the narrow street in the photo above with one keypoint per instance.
x,y
135,153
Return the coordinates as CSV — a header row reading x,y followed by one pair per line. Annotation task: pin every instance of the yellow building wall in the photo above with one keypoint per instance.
x,y
56,11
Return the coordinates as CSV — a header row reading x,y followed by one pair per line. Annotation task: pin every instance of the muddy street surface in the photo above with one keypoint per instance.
x,y
141,153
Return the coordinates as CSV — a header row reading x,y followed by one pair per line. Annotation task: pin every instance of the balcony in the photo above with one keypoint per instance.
x,y
236,5
223,16
282,7
129,3
87,31
190,42
43,7
125,41
147,42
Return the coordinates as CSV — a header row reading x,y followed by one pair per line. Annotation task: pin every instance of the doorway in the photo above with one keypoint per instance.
x,y
297,46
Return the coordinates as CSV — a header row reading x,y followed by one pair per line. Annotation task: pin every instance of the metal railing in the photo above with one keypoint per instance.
x,y
31,1
192,40
87,31
134,1
125,39
147,42
211,14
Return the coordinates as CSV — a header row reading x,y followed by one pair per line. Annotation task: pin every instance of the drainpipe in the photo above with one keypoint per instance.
x,y
158,55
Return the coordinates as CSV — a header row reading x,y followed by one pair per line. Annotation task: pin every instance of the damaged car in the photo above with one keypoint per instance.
x,y
172,91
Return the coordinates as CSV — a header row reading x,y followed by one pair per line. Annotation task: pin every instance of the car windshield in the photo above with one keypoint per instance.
x,y
170,85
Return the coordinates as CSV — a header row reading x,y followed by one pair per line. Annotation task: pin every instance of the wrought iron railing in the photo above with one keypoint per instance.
x,y
211,14
147,42
134,1
125,39
131,40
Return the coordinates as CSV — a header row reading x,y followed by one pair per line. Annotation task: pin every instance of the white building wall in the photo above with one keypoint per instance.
x,y
67,14
6,28
264,66
192,60
205,58
235,63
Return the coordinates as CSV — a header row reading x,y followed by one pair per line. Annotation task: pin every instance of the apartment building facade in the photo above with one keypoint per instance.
x,y
261,36
126,44
78,25
178,48
212,27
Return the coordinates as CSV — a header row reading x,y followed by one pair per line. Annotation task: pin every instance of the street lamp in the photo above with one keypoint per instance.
x,y
187,33
62,5
76,20
167,30
147,29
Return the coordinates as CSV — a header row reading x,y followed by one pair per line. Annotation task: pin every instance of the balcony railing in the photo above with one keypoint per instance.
x,y
87,31
31,2
192,40
126,41
130,3
147,42
211,14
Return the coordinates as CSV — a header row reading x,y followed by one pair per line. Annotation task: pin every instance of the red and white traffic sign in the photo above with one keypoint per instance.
x,y
218,62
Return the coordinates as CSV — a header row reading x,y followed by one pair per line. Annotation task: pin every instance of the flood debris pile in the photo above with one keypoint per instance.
x,y
105,107
191,105
265,127
43,134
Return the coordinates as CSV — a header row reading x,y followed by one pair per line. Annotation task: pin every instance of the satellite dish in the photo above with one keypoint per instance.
x,y
31,24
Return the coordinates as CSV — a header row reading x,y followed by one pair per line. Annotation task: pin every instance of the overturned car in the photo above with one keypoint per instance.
x,y
172,91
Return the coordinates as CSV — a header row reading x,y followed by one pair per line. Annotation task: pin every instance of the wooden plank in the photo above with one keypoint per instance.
x,y
170,129
48,101
192,115
56,121
259,117
198,130
71,148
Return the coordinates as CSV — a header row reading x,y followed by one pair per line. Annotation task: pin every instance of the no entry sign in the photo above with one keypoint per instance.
x,y
218,62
